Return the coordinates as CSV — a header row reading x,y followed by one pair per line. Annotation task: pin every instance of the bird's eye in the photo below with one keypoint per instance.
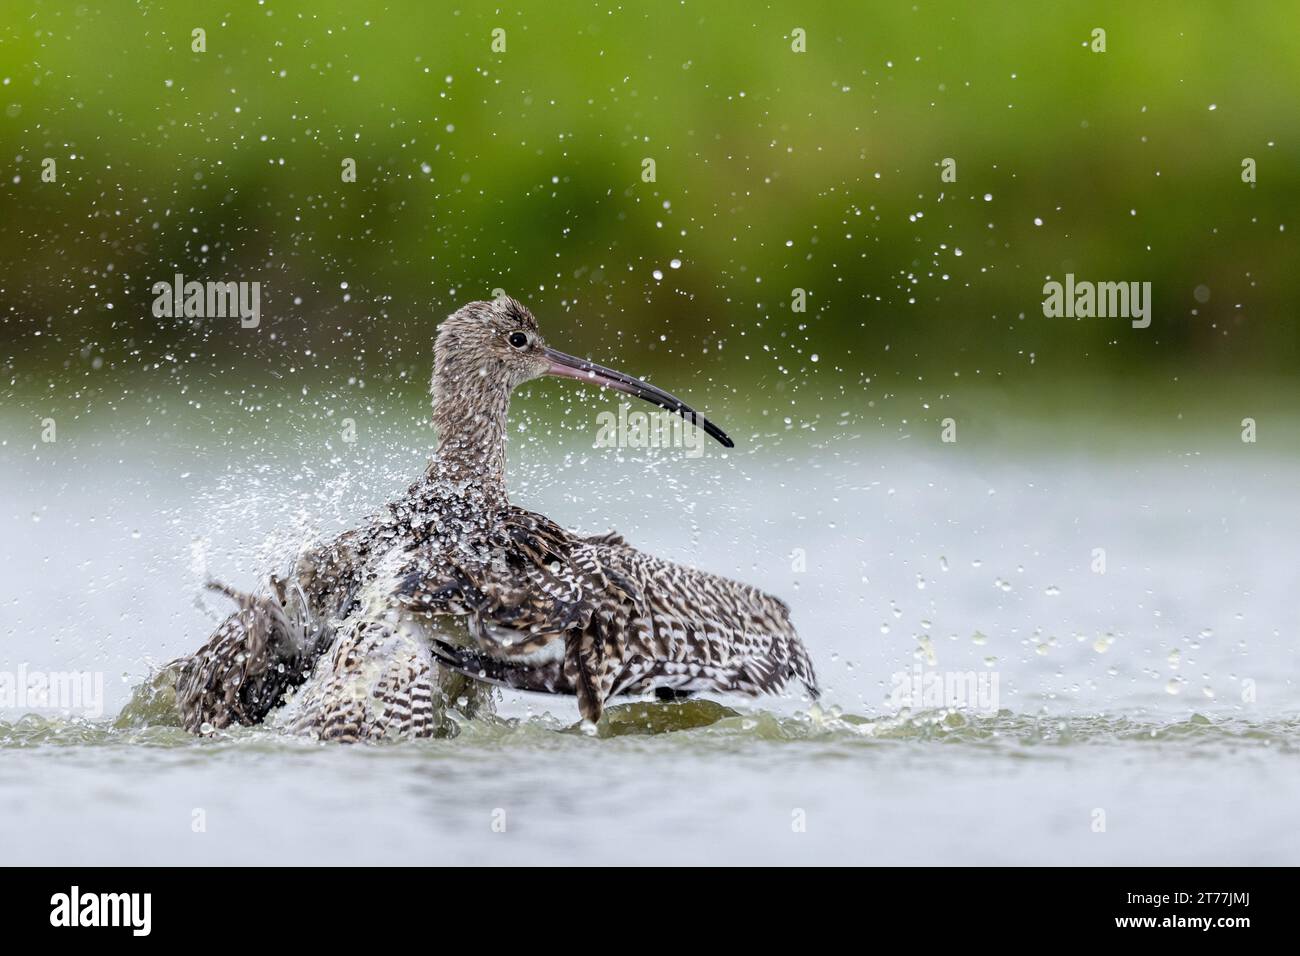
x,y
518,339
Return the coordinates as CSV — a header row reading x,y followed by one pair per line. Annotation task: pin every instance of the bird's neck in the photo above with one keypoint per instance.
x,y
469,413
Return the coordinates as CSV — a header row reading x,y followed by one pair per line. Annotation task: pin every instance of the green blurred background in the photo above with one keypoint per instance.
x,y
775,170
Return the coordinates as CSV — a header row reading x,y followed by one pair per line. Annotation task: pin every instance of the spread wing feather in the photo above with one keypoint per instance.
x,y
597,618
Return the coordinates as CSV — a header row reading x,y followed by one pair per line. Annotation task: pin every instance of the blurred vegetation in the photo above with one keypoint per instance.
x,y
775,170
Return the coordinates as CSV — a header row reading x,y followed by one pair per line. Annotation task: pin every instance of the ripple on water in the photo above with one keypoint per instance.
x,y
150,720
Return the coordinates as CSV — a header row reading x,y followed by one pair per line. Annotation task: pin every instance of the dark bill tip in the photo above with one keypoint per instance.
x,y
569,366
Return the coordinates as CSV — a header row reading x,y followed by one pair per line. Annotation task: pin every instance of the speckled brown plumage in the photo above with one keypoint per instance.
x,y
596,618
374,634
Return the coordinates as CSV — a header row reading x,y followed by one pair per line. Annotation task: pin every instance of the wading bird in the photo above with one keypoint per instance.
x,y
451,588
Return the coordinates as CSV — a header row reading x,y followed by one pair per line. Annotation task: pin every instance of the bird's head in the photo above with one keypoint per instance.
x,y
496,341
496,347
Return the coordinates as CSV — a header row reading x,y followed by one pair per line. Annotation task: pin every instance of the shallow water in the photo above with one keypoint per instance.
x,y
932,789
1143,715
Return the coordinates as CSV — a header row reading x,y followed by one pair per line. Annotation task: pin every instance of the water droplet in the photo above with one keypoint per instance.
x,y
925,651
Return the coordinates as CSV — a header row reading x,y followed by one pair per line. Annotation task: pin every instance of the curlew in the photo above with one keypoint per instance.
x,y
451,589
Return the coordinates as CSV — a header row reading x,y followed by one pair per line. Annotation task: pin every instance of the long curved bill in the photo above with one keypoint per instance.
x,y
570,366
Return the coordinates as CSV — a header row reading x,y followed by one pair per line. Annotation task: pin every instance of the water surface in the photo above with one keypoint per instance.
x,y
1144,715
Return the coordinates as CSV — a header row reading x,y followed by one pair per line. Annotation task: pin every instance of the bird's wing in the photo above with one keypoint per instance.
x,y
597,618
544,609
272,641
542,677
525,574
695,631
257,654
